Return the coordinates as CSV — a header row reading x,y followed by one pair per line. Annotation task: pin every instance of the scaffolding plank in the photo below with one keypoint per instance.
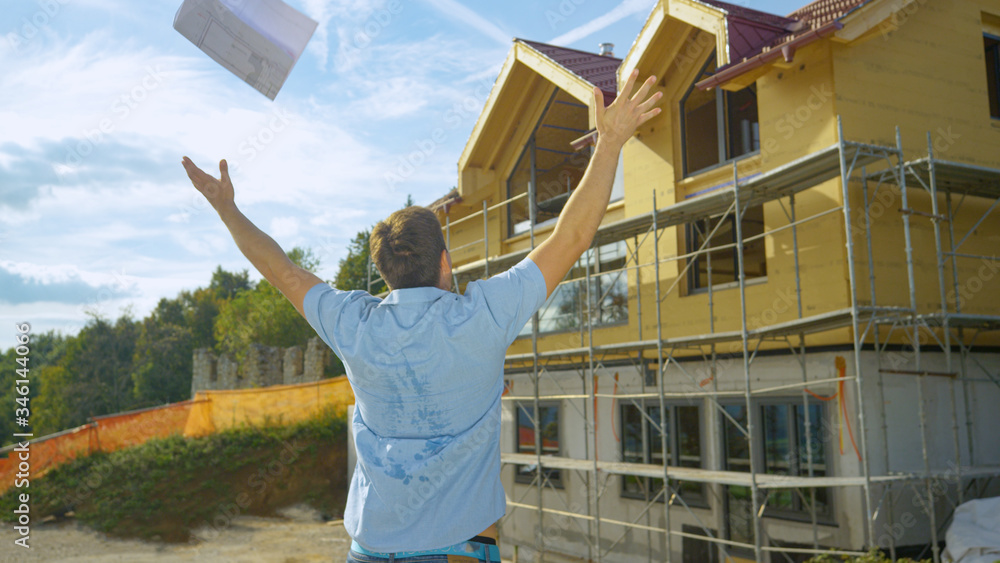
x,y
983,322
957,177
820,322
798,175
699,475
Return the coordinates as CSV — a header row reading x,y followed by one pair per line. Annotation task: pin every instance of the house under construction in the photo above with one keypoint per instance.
x,y
784,339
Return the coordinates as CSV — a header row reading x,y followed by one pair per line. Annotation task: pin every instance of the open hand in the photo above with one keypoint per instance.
x,y
618,122
218,191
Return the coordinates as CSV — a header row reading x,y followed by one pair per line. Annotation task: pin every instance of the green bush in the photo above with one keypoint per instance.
x,y
166,487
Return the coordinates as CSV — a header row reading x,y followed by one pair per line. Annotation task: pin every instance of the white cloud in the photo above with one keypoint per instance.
x,y
284,227
454,10
618,13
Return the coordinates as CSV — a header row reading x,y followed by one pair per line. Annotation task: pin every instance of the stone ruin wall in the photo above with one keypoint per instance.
x,y
263,366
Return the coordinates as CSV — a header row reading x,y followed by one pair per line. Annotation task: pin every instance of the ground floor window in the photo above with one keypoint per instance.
x,y
546,419
788,440
642,442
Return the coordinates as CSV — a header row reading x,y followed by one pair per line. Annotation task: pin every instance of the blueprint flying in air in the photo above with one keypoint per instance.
x,y
257,40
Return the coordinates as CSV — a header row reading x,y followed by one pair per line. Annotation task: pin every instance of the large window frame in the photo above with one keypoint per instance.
x,y
568,309
738,450
730,144
641,442
550,413
751,225
991,55
548,168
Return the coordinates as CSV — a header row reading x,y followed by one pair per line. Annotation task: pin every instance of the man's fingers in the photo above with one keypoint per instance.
x,y
646,85
648,115
627,89
650,102
224,169
599,104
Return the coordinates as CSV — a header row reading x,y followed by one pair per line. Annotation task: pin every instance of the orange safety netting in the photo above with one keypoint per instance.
x,y
46,454
279,404
118,431
208,412
105,433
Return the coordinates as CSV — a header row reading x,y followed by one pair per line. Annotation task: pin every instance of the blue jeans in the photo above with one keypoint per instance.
x,y
476,551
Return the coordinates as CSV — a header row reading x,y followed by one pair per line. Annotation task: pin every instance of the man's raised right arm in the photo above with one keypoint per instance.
x,y
582,215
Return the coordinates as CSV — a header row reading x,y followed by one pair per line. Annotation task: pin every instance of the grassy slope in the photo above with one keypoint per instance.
x,y
166,488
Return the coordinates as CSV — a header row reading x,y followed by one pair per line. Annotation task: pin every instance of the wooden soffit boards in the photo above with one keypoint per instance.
x,y
504,90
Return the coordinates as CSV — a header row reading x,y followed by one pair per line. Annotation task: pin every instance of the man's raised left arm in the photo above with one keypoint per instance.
x,y
260,249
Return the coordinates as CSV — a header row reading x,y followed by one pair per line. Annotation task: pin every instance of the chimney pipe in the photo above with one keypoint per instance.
x,y
607,49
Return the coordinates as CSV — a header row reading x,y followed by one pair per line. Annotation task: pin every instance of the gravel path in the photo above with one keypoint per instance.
x,y
298,536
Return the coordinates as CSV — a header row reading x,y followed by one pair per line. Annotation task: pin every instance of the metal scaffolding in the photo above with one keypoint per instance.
x,y
872,327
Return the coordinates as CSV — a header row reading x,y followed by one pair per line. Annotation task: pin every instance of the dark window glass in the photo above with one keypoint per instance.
x,y
558,168
742,128
568,307
643,443
724,262
717,125
788,448
739,508
991,45
548,423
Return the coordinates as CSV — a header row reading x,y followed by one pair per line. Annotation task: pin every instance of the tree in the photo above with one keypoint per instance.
x,y
99,364
46,349
353,271
202,305
163,359
51,412
262,315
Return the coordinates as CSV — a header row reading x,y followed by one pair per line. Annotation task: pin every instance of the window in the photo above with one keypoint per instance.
x,y
791,449
568,308
643,443
548,424
991,44
739,509
788,447
717,125
724,262
557,167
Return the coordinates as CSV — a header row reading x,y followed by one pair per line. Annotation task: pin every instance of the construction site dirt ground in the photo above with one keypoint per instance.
x,y
298,535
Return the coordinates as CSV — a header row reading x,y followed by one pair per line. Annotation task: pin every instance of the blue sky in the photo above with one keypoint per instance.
x,y
99,99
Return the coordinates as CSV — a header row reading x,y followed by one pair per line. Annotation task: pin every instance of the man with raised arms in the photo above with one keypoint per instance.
x,y
426,364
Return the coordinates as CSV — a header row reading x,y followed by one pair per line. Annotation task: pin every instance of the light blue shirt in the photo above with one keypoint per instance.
x,y
426,366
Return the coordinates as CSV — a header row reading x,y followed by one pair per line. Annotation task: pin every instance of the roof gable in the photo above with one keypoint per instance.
x,y
598,70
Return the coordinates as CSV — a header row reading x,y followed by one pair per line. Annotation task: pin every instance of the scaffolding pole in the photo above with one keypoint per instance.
x,y
847,157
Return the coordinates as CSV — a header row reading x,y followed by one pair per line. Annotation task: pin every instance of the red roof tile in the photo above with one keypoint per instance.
x,y
752,32
596,69
822,12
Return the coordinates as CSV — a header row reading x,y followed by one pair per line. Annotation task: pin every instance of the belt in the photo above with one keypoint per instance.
x,y
480,547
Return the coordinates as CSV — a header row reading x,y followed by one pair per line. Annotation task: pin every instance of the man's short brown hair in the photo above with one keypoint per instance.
x,y
406,248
